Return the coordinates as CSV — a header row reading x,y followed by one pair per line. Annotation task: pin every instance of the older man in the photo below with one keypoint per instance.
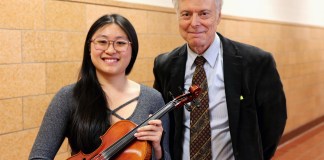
x,y
241,113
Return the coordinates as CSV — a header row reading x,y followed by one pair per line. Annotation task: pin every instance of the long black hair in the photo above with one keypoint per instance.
x,y
91,117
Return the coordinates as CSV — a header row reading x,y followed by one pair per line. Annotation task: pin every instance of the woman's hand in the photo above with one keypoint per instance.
x,y
152,132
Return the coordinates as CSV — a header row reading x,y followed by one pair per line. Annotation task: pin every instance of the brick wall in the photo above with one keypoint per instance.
x,y
41,45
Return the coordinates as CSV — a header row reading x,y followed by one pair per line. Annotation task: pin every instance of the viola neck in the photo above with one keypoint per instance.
x,y
129,137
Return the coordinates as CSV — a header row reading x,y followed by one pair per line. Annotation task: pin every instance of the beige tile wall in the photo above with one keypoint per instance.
x,y
41,44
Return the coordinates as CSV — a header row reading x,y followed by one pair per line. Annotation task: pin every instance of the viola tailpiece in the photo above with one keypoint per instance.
x,y
118,148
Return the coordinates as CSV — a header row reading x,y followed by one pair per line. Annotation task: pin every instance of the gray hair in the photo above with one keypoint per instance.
x,y
219,4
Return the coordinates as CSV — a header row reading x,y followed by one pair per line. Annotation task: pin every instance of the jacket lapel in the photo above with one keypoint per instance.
x,y
232,79
177,71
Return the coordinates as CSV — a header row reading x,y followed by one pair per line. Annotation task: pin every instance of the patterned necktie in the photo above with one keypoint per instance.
x,y
200,144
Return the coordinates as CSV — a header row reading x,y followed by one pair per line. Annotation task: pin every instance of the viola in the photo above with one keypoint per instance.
x,y
119,142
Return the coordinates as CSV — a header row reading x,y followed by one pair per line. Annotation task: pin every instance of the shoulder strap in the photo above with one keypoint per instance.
x,y
113,112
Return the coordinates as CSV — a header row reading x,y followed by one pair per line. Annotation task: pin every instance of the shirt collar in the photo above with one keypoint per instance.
x,y
211,54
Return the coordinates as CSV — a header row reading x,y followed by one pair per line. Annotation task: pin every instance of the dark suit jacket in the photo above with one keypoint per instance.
x,y
257,122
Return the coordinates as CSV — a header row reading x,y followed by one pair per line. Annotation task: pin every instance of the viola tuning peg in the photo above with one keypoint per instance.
x,y
188,108
170,93
180,90
196,103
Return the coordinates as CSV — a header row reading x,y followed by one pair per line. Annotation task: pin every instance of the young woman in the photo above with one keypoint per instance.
x,y
102,96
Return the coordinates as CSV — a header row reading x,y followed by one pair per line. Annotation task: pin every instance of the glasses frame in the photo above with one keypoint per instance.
x,y
110,42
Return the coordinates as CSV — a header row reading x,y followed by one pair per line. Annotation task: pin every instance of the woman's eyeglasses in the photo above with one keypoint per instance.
x,y
103,44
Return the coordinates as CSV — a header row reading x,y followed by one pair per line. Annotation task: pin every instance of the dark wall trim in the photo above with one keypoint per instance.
x,y
294,133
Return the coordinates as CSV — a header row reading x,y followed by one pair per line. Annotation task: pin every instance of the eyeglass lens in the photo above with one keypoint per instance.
x,y
103,44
